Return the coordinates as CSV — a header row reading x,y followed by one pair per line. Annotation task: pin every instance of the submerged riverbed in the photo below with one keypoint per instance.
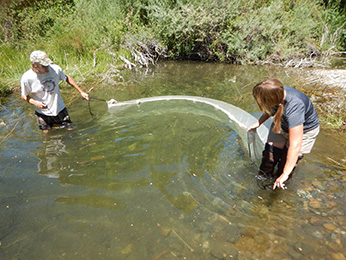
x,y
168,181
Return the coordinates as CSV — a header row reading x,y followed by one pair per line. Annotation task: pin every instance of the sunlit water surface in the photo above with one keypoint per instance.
x,y
163,180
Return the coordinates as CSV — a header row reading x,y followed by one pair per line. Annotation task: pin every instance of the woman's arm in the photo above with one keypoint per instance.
x,y
260,121
295,143
70,81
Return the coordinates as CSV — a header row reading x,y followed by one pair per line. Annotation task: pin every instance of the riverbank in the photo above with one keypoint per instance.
x,y
326,77
327,89
93,35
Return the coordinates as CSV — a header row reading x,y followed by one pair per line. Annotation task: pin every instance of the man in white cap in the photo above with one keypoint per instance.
x,y
40,87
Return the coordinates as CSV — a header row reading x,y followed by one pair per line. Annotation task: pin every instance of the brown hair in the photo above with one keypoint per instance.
x,y
268,94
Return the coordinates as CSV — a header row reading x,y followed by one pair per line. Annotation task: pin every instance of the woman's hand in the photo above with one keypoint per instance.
x,y
260,121
279,182
254,126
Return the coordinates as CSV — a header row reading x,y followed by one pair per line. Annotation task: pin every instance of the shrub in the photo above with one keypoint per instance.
x,y
89,33
30,20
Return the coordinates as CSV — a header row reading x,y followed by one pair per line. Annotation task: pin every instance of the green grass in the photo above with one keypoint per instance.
x,y
78,33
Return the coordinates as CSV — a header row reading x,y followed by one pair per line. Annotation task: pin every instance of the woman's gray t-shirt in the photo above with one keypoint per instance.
x,y
298,109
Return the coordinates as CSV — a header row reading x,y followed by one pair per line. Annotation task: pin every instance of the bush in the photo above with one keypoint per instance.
x,y
31,20
90,33
236,30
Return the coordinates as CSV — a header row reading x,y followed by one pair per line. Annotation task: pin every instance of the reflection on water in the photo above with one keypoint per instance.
x,y
161,181
52,149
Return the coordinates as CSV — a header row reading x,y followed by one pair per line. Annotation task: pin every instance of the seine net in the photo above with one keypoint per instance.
x,y
252,141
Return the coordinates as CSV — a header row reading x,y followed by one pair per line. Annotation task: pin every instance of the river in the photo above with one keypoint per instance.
x,y
167,181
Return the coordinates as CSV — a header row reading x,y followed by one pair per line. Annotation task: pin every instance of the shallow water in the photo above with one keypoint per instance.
x,y
163,181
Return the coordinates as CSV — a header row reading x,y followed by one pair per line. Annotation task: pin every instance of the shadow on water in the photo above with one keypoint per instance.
x,y
167,180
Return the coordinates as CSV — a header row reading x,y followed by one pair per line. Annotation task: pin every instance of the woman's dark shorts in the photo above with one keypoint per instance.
x,y
47,122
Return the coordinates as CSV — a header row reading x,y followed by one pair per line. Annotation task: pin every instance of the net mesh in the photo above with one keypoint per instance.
x,y
253,141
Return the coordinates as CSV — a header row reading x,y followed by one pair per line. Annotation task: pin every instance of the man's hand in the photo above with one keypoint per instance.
x,y
85,95
42,105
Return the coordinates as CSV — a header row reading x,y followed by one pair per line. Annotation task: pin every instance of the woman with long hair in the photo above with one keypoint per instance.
x,y
293,132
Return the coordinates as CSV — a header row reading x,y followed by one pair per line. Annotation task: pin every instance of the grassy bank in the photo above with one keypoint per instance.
x,y
91,38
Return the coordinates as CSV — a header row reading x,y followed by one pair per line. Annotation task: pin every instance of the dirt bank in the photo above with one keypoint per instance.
x,y
332,78
327,88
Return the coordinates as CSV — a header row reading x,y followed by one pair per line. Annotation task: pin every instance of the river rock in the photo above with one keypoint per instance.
x,y
127,250
200,225
318,185
304,193
314,220
246,243
329,226
336,246
165,230
308,189
229,233
338,256
343,233
314,203
332,204
223,250
318,234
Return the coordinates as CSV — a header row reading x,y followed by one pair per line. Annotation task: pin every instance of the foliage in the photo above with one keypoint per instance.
x,y
189,30
237,30
29,20
89,35
333,36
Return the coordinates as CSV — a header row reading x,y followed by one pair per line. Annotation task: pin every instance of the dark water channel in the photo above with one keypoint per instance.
x,y
167,181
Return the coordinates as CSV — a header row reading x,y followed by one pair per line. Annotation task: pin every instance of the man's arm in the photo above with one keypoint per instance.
x,y
34,102
71,82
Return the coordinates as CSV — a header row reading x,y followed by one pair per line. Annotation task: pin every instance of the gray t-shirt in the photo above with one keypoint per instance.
x,y
298,109
45,88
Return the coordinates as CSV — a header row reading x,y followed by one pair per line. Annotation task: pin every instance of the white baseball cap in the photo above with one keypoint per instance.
x,y
40,57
